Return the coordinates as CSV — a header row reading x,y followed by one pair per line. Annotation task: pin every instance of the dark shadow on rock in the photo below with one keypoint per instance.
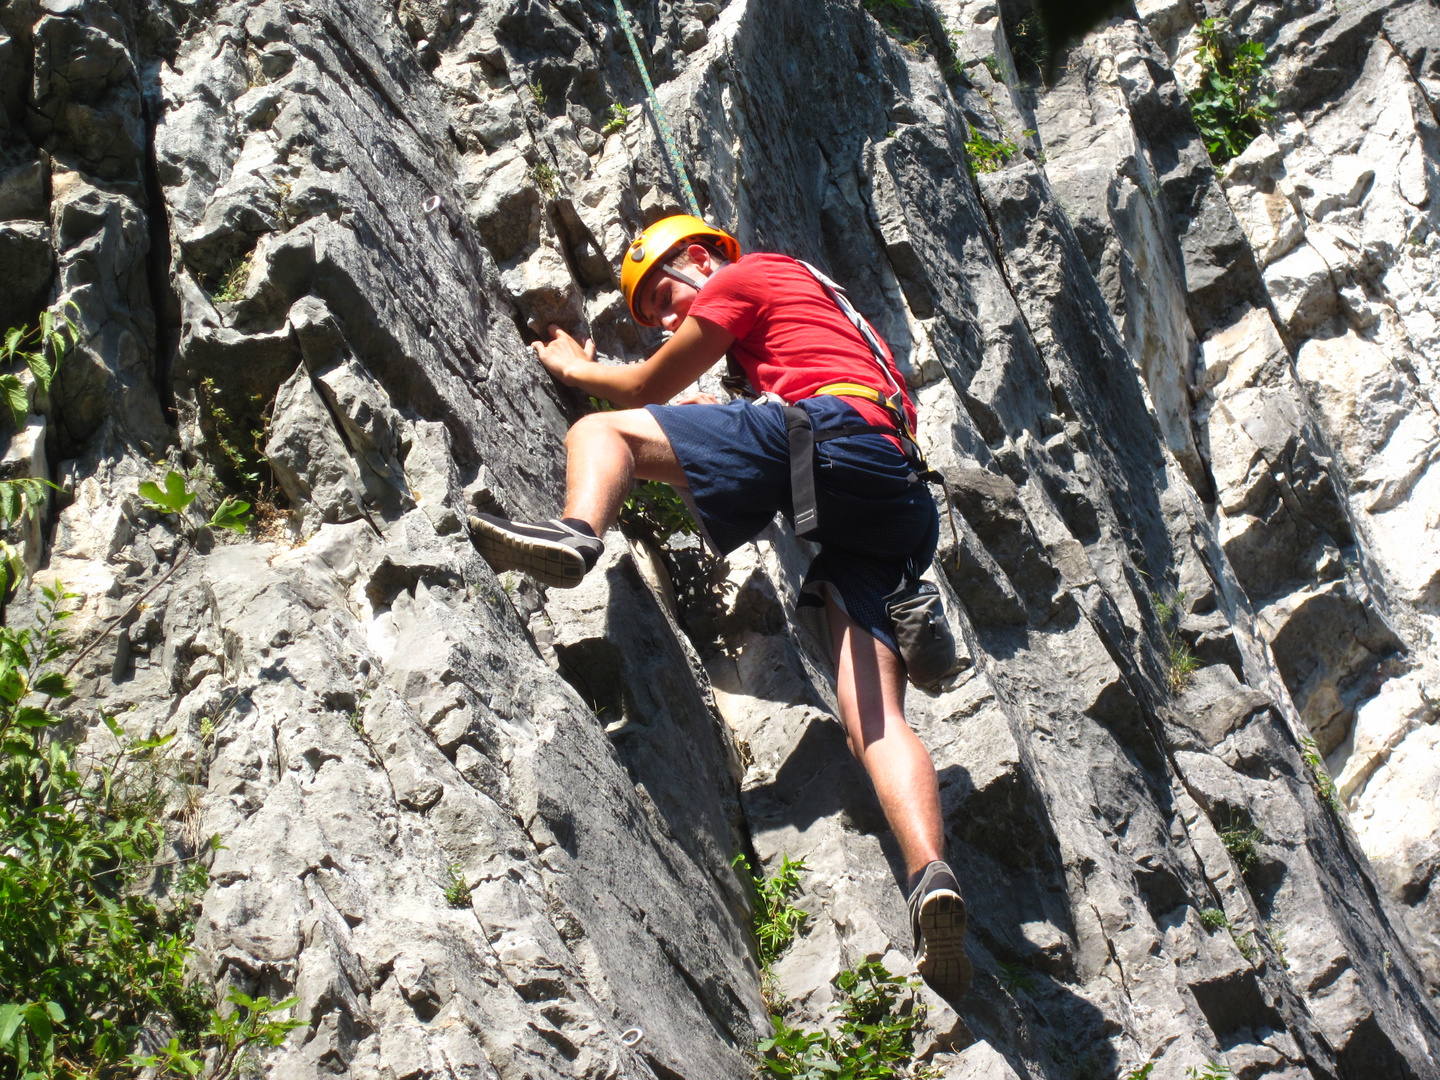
x,y
819,779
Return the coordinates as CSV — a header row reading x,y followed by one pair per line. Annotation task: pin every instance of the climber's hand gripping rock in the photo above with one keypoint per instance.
x,y
562,353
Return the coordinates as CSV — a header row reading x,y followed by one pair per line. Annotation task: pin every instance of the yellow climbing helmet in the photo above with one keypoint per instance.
x,y
650,249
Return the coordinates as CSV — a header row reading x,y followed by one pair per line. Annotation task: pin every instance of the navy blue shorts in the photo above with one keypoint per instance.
x,y
875,523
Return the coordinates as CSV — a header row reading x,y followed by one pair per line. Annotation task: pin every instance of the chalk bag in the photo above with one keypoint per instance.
x,y
921,630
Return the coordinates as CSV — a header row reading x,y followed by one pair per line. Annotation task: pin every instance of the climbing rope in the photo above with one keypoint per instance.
x,y
665,136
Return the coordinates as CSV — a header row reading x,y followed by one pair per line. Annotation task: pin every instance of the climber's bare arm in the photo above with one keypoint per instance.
x,y
690,352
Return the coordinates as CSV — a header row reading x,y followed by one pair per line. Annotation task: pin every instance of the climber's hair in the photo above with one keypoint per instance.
x,y
681,259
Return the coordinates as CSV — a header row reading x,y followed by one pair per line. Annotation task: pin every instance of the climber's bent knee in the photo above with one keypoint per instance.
x,y
602,433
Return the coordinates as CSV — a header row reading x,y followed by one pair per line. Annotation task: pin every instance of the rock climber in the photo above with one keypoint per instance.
x,y
839,462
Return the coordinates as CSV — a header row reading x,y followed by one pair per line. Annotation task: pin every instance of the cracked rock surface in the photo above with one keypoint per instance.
x,y
1186,415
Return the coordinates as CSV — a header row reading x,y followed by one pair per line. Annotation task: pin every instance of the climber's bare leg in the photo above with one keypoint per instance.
x,y
607,453
870,684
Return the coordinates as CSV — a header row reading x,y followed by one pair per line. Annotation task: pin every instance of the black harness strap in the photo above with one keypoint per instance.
x,y
803,440
802,470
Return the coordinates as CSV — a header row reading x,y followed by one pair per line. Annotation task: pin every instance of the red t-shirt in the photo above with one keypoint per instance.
x,y
790,337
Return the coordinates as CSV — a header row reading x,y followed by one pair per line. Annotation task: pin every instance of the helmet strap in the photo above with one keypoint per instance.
x,y
685,279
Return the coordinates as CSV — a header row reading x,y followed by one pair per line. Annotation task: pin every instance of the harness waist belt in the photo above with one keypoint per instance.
x,y
802,448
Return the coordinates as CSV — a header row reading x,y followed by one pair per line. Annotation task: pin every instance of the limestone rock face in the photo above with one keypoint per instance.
x,y
479,829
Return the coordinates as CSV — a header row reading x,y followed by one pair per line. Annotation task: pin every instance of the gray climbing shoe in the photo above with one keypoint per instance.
x,y
549,551
937,915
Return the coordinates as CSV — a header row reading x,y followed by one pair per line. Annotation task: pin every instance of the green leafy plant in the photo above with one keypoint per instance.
x,y
658,510
1180,663
1324,785
175,497
20,499
1209,1071
232,514
619,117
1013,977
42,349
875,1032
1231,105
231,284
986,155
246,463
457,890
1212,918
545,178
537,92
1142,1073
87,956
777,919
233,1036
992,65
1246,944
1027,45
1242,841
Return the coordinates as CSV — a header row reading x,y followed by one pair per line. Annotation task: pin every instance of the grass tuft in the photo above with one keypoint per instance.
x,y
1213,919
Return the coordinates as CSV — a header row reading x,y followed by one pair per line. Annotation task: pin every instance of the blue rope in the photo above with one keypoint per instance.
x,y
665,136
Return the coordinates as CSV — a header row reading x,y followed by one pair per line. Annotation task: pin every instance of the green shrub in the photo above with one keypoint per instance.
x,y
232,1037
87,956
245,462
1230,105
986,155
545,178
457,890
42,350
878,1017
230,286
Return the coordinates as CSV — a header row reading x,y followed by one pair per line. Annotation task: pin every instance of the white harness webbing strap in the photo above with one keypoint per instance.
x,y
896,395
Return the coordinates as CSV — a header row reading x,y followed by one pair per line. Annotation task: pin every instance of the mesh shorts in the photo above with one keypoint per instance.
x,y
875,522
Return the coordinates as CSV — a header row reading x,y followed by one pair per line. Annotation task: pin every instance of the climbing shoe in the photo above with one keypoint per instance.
x,y
937,916
549,551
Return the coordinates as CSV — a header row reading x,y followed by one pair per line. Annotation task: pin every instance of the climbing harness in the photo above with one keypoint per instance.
x,y
803,439
665,136
922,633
